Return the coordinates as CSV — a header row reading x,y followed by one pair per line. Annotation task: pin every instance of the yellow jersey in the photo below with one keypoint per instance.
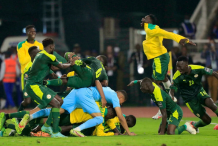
x,y
22,51
78,116
153,45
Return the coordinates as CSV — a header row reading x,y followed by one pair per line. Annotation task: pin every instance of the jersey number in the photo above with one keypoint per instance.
x,y
191,82
98,72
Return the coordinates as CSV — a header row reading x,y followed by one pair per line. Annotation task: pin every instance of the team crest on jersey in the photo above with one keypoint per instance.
x,y
25,94
49,96
26,76
197,115
207,69
196,75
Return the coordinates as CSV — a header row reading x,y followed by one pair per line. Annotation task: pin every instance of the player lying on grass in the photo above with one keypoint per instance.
x,y
69,121
89,72
85,98
154,49
188,79
171,112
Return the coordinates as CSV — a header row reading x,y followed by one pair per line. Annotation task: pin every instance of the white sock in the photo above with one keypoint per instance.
x,y
77,129
167,84
31,117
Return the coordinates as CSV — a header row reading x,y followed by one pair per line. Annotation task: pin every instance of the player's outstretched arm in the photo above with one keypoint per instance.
x,y
186,41
100,90
63,66
164,121
123,120
134,82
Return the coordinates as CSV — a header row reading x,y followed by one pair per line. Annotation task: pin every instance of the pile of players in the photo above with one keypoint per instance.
x,y
87,107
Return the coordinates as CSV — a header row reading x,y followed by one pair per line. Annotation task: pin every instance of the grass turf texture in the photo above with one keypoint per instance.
x,y
146,130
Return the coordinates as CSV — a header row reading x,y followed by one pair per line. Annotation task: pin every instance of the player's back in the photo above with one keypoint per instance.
x,y
97,67
110,96
40,68
162,99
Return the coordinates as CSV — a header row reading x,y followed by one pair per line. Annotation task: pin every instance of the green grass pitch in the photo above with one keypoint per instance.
x,y
146,130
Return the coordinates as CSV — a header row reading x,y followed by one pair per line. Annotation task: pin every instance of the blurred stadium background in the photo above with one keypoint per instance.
x,y
111,27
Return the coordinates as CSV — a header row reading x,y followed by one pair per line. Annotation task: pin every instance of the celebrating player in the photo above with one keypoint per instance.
x,y
43,95
188,79
171,112
154,49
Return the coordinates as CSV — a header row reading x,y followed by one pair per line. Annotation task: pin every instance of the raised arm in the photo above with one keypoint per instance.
x,y
134,82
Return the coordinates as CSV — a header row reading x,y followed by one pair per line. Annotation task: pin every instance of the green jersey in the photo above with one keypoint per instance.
x,y
190,85
163,100
97,67
59,58
41,67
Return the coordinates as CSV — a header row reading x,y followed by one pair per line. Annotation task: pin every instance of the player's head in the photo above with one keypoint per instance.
x,y
111,113
31,31
122,95
149,19
182,64
33,51
103,59
48,45
130,120
146,85
69,55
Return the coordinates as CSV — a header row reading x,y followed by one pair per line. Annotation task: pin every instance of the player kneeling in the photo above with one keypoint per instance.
x,y
171,112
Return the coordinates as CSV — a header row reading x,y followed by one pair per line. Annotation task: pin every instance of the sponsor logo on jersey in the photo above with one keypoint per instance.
x,y
207,69
49,96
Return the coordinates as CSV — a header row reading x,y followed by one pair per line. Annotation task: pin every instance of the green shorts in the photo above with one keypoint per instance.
x,y
160,67
175,117
195,105
39,93
84,77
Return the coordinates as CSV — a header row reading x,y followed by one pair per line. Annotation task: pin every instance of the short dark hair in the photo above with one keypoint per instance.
x,y
29,26
111,111
146,79
31,49
153,18
47,41
103,60
131,120
183,58
124,94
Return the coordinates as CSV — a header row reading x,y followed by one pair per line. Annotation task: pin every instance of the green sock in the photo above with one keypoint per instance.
x,y
59,128
49,120
20,108
56,119
180,129
54,82
18,114
200,124
216,112
11,126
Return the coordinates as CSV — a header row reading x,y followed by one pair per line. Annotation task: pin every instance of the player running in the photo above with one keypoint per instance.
x,y
154,49
188,79
171,112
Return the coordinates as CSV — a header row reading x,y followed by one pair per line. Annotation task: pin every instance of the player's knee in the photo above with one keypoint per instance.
x,y
26,102
99,120
170,132
208,121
